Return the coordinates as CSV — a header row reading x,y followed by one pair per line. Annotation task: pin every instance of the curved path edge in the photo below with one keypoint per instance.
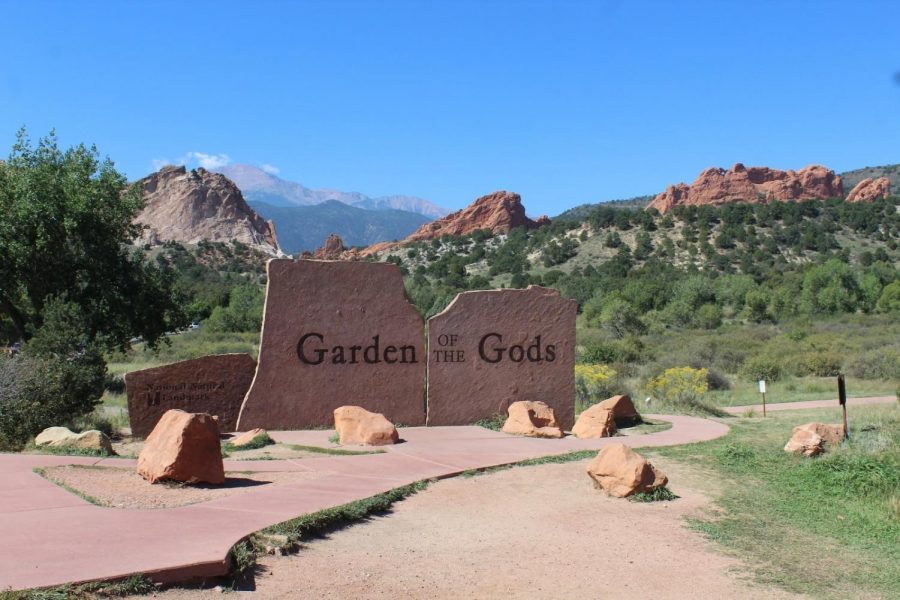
x,y
53,537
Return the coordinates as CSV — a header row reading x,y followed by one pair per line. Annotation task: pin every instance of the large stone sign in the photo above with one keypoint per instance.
x,y
489,349
336,333
212,384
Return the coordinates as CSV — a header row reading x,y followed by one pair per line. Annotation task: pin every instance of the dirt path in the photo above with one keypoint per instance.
x,y
526,532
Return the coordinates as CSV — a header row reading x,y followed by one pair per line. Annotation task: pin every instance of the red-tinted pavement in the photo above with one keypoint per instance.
x,y
51,536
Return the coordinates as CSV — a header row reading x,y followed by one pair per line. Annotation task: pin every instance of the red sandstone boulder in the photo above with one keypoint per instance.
x,y
623,410
183,447
356,425
621,472
811,438
753,185
805,441
532,419
870,189
595,422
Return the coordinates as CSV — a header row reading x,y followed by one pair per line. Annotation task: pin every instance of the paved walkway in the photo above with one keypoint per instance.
x,y
757,408
51,536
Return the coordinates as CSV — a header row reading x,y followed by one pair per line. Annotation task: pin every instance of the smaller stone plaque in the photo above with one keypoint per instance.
x,y
211,384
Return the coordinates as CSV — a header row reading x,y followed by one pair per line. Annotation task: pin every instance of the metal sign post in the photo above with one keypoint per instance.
x,y
842,399
762,390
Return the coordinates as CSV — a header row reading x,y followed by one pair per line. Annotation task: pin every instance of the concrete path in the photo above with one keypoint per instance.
x,y
738,410
51,536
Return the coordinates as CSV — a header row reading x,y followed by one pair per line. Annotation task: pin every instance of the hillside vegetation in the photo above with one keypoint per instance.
x,y
741,292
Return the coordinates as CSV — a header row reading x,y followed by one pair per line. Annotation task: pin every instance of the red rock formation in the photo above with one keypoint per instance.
x,y
190,206
752,185
332,250
870,189
499,212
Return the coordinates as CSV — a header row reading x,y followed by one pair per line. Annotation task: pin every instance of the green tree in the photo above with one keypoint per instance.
x,y
65,233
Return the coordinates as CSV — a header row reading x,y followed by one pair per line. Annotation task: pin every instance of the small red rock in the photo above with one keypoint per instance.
x,y
183,447
532,419
356,425
622,472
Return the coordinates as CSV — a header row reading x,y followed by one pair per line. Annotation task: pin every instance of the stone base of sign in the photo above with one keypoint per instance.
x,y
212,384
336,333
488,349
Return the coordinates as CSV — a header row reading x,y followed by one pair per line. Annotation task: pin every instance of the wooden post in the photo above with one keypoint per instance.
x,y
842,399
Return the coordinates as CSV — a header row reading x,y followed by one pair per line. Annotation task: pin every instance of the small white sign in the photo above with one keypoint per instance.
x,y
762,386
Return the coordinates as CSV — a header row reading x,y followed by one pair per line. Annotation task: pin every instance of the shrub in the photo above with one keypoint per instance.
x,y
820,364
681,385
716,380
56,379
40,392
761,366
627,350
594,383
880,363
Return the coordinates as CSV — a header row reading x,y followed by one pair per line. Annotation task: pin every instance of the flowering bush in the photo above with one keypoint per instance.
x,y
594,383
679,384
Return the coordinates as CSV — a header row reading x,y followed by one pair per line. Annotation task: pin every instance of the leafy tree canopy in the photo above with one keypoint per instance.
x,y
64,236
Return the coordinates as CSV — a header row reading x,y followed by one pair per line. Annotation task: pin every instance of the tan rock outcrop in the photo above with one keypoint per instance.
x,y
595,422
621,472
532,419
807,442
870,189
190,206
247,437
623,410
62,437
753,185
812,438
183,447
356,425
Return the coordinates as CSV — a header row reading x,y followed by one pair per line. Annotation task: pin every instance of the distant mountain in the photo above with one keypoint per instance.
x,y
892,172
306,227
259,186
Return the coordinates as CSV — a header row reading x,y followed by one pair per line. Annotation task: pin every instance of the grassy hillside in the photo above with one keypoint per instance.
x,y
892,172
578,213
302,228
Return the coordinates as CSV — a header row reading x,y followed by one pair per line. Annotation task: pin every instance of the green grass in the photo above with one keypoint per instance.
x,y
260,441
827,527
646,427
320,522
662,494
134,585
798,389
334,451
494,423
66,451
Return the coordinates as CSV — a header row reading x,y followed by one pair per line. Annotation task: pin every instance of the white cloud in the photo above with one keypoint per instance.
x,y
159,163
270,169
207,161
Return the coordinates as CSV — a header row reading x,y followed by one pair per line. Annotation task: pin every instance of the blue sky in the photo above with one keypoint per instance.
x,y
563,102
